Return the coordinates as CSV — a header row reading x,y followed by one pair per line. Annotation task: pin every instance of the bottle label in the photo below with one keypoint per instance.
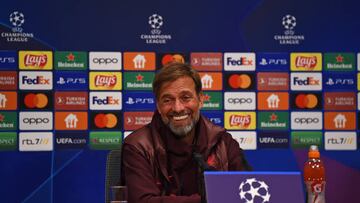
x,y
316,191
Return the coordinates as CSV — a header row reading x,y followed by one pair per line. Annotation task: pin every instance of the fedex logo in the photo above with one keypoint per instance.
x,y
38,80
105,100
306,81
239,61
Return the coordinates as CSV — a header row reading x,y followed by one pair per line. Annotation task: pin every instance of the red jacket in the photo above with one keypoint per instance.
x,y
157,168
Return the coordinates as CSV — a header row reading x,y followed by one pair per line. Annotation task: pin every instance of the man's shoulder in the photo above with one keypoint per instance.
x,y
140,137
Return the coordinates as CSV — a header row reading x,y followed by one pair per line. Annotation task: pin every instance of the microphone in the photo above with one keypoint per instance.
x,y
201,163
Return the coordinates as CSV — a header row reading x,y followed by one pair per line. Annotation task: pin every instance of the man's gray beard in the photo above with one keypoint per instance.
x,y
181,132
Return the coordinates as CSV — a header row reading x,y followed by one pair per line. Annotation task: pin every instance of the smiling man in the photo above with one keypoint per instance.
x,y
164,160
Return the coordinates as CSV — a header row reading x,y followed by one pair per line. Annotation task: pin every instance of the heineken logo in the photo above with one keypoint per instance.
x,y
273,120
339,61
212,101
138,80
70,60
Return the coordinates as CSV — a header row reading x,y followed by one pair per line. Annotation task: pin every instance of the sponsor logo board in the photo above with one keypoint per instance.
x,y
246,139
240,100
240,120
35,141
212,101
105,120
272,81
273,101
105,140
306,120
71,80
339,81
8,80
139,101
71,120
8,101
240,81
70,60
138,80
139,61
105,61
36,100
272,61
35,60
211,80
35,120
306,101
339,61
105,100
217,117
35,80
206,61
105,80
304,139
165,58
135,120
71,100
239,61
71,140
340,140
8,60
306,81
340,120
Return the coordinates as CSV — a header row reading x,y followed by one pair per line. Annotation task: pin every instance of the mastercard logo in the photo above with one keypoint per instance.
x,y
242,81
168,58
105,120
306,101
39,100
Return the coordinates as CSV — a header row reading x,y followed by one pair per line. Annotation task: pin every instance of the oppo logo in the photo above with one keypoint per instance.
x,y
105,60
35,121
306,120
239,100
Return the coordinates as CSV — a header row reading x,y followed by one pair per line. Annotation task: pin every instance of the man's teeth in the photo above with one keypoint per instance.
x,y
177,118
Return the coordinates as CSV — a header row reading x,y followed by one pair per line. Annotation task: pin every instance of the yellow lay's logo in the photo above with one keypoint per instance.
x,y
240,120
306,61
105,81
35,60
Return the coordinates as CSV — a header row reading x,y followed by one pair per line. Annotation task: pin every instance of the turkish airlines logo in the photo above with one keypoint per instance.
x,y
39,80
35,60
340,120
105,81
273,101
246,139
8,80
306,120
240,100
135,120
105,60
8,101
211,80
139,61
306,61
340,140
306,81
206,61
36,120
240,120
71,100
35,141
239,61
71,120
105,100
272,81
340,100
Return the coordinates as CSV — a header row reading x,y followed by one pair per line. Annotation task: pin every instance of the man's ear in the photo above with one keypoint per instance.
x,y
201,98
157,107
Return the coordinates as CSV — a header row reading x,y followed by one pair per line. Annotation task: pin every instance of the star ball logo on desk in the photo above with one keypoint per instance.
x,y
17,20
289,37
156,21
252,189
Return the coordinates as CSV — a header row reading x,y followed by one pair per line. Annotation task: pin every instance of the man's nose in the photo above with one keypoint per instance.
x,y
178,106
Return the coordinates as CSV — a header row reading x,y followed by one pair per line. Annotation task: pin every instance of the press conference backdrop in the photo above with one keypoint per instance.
x,y
75,78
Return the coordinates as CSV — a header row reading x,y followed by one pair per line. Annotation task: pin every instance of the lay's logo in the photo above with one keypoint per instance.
x,y
306,62
105,81
240,120
35,60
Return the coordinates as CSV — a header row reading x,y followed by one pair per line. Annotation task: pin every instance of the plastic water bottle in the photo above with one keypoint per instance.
x,y
314,176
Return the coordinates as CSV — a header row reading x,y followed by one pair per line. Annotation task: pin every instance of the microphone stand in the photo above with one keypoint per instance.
x,y
202,166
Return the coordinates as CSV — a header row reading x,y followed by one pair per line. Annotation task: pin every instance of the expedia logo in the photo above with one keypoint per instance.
x,y
139,101
105,101
246,139
36,121
39,141
306,81
35,80
105,60
306,120
240,101
35,100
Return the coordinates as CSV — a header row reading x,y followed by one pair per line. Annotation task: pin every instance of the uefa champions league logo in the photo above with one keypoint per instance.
x,y
289,22
254,191
155,21
17,19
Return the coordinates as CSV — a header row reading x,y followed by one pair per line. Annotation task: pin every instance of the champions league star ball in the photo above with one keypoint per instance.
x,y
289,22
17,19
254,191
156,21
